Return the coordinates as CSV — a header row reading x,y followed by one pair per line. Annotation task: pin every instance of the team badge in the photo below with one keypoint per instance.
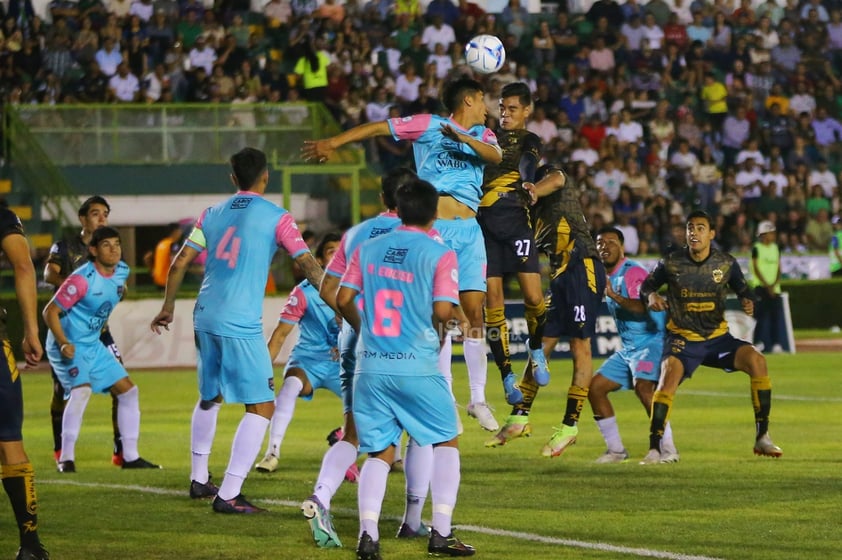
x,y
717,275
73,372
271,383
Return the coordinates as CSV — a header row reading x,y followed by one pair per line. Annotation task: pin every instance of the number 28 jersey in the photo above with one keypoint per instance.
x,y
400,275
241,235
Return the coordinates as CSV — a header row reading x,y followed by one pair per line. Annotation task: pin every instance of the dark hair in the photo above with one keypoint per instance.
x,y
455,91
518,89
101,234
329,237
700,214
247,165
417,202
172,226
392,181
615,231
86,206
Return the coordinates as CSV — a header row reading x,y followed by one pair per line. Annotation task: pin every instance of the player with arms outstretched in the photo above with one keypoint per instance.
x,y
451,153
698,277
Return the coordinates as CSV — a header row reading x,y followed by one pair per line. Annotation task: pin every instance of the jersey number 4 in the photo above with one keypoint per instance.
x,y
229,247
387,315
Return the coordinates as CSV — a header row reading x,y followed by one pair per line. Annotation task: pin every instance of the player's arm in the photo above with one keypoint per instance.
x,y
52,274
490,153
16,249
633,279
279,336
310,268
345,301
52,319
737,282
320,151
175,277
550,183
649,289
529,158
328,289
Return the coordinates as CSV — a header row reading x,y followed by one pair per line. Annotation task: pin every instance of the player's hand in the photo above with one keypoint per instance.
x,y
450,132
771,291
32,350
316,151
161,320
530,190
68,350
748,306
657,303
334,354
609,289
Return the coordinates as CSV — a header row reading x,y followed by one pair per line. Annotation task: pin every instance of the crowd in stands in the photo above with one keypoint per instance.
x,y
657,108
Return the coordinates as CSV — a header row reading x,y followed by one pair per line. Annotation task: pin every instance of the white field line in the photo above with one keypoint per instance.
x,y
531,537
775,396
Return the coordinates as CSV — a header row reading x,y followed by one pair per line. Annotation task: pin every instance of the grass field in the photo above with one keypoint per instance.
x,y
720,501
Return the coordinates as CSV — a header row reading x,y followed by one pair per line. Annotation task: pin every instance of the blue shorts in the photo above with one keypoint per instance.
x,y
574,299
385,405
239,369
718,352
347,342
93,364
465,238
625,367
321,372
11,397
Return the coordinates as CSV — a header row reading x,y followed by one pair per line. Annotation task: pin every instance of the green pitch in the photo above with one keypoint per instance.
x,y
720,501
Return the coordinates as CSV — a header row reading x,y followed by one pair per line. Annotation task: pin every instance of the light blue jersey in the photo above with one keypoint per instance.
x,y
369,229
636,330
400,275
87,299
316,321
454,168
241,235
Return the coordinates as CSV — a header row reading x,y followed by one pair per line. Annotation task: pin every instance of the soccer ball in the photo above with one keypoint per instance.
x,y
485,54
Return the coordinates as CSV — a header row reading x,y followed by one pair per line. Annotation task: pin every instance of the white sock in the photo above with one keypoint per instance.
x,y
202,432
399,450
339,457
244,450
71,421
444,487
128,421
667,445
611,434
284,409
372,489
477,362
418,469
445,357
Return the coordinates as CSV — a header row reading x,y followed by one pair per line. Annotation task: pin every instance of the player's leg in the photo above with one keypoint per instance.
x,y
535,312
108,341
17,473
57,404
295,384
374,475
672,372
749,360
645,391
205,414
246,373
128,417
497,334
611,377
418,470
476,359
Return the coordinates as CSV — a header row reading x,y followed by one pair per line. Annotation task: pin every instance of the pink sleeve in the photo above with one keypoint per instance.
x,y
634,277
338,263
489,137
446,281
295,306
353,277
201,219
71,291
288,236
409,128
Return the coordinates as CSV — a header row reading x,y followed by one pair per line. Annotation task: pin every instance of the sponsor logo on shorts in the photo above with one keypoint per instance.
x,y
73,372
271,383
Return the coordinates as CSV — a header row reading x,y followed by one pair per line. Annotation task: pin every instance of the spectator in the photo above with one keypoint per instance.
x,y
609,180
444,9
714,94
158,261
311,68
543,127
124,87
202,56
735,131
776,176
835,247
438,32
143,9
825,178
630,131
108,57
819,230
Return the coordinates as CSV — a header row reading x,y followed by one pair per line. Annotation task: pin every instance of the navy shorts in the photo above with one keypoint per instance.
x,y
718,352
509,241
11,397
574,298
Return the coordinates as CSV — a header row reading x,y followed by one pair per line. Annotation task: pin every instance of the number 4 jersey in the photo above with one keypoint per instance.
x,y
241,235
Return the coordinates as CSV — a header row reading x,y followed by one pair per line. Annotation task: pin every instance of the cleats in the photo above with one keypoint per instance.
x,y
268,464
352,475
117,459
57,455
612,457
407,532
368,548
200,491
513,394
482,412
32,553
237,504
335,436
66,467
448,546
651,458
563,437
669,455
540,369
321,526
765,448
515,427
140,463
